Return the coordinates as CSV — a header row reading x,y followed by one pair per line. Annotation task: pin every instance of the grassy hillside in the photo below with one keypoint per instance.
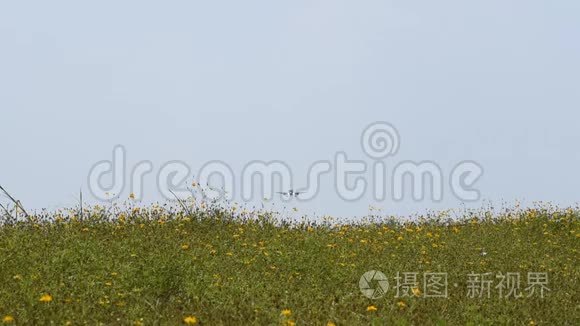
x,y
162,266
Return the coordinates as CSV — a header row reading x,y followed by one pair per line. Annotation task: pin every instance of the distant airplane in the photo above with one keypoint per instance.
x,y
290,193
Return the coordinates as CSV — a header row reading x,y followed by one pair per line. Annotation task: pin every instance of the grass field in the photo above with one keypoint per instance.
x,y
214,266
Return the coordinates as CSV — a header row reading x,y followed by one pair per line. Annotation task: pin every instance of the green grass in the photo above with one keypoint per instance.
x,y
152,266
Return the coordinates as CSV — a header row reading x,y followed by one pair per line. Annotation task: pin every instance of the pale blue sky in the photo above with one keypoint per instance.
x,y
497,82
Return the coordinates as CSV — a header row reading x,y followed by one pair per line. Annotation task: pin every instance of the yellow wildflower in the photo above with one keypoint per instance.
x,y
372,308
401,304
8,319
416,291
45,298
286,312
330,323
190,320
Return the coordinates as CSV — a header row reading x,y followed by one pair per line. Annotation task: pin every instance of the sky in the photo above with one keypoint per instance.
x,y
495,82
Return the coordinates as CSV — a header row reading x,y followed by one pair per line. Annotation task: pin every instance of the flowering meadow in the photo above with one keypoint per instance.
x,y
217,265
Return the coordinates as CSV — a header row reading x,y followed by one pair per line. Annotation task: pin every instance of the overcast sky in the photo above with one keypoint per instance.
x,y
496,82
